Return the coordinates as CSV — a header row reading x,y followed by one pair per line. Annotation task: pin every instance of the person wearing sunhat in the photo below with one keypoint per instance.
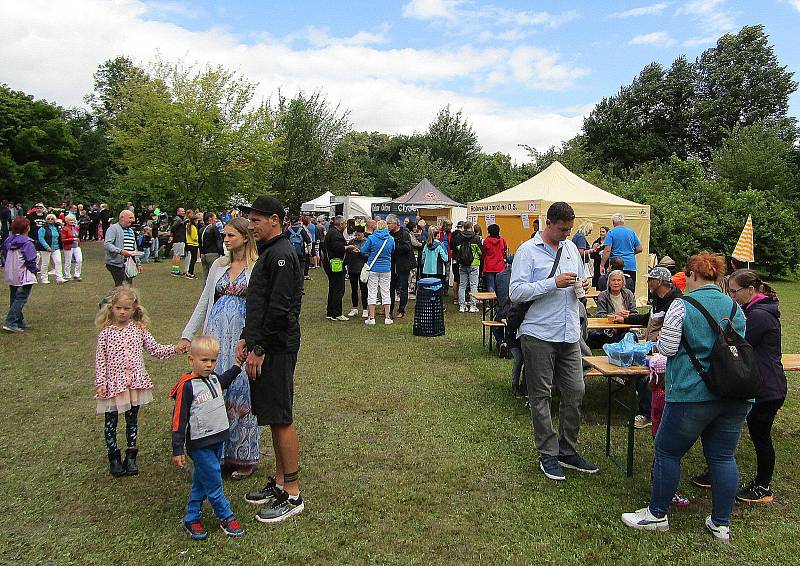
x,y
269,345
659,283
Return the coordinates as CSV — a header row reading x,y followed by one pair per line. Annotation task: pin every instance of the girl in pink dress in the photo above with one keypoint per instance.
x,y
121,381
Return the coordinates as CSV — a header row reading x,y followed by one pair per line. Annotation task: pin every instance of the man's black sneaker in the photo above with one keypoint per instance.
x,y
281,509
267,496
196,530
576,462
502,350
754,493
703,480
551,468
231,527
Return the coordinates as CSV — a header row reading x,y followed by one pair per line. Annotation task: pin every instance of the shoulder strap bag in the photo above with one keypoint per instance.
x,y
368,266
733,371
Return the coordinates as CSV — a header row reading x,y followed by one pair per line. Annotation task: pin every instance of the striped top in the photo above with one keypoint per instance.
x,y
130,240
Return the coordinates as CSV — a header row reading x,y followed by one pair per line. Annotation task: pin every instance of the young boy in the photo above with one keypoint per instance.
x,y
200,421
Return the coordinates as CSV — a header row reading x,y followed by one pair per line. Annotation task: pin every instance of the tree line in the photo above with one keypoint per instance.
x,y
704,142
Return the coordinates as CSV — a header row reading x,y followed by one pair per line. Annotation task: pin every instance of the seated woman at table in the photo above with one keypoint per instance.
x,y
616,300
763,333
692,411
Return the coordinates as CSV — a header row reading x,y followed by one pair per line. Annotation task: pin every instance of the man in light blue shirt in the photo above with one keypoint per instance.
x,y
622,242
550,335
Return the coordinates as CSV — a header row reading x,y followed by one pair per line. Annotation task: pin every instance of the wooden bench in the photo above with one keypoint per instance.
x,y
490,324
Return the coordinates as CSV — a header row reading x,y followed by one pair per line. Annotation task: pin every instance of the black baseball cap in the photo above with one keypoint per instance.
x,y
265,205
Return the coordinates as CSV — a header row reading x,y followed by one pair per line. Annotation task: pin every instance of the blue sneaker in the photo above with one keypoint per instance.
x,y
551,468
196,530
576,462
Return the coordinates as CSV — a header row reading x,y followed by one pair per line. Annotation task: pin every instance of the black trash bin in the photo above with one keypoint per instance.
x,y
428,310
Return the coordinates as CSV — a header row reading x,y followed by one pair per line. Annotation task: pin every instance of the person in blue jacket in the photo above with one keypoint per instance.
x,y
49,237
692,411
378,250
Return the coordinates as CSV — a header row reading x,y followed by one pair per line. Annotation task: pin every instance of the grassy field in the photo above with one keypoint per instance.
x,y
413,452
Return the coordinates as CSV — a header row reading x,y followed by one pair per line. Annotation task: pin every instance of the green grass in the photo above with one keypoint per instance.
x,y
413,452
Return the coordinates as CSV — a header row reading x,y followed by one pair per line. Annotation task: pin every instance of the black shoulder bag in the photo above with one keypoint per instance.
x,y
733,371
517,312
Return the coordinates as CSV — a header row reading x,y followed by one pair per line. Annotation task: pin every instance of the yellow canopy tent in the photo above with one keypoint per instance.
x,y
516,209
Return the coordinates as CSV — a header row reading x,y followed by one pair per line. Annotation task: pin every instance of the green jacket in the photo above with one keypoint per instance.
x,y
683,383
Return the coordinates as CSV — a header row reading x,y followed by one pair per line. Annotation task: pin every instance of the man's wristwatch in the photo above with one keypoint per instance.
x,y
258,350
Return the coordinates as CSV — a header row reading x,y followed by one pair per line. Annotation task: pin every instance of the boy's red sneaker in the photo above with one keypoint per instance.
x,y
232,527
196,530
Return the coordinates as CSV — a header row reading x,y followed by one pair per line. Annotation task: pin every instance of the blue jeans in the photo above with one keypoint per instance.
x,y
718,424
19,296
490,281
207,483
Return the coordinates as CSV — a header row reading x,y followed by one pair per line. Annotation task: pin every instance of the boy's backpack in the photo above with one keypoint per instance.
x,y
465,255
296,239
733,370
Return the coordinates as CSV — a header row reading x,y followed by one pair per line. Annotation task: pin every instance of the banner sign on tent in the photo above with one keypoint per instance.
x,y
393,208
481,208
489,219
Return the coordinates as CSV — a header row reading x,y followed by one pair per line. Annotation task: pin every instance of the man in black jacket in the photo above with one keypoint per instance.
x,y
335,247
210,243
178,238
270,341
403,261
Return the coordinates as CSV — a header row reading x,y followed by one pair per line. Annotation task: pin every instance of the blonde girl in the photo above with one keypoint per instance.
x,y
121,381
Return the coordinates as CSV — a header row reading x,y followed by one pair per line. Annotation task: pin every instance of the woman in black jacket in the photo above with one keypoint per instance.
x,y
354,262
763,332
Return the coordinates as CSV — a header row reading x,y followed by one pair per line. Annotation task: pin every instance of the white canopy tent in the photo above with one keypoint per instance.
x,y
321,204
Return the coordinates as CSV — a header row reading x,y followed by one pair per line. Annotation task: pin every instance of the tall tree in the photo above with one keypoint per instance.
x,y
417,164
308,131
191,137
451,138
740,82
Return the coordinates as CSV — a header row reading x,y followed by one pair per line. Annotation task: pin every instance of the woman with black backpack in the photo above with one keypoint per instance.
x,y
692,410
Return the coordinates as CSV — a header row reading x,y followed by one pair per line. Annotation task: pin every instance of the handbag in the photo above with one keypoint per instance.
x,y
733,371
131,269
364,277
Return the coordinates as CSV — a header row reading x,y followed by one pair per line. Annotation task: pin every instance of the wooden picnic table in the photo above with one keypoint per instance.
x,y
487,299
592,294
791,362
601,323
621,391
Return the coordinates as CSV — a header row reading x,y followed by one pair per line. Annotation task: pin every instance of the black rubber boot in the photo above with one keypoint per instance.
x,y
115,463
131,468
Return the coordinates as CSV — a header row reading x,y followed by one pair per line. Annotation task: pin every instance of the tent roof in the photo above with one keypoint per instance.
x,y
425,194
323,201
557,183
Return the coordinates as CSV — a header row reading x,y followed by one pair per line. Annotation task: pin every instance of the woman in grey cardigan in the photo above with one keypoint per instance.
x,y
616,299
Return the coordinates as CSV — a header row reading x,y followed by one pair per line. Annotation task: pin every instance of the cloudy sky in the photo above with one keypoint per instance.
x,y
524,72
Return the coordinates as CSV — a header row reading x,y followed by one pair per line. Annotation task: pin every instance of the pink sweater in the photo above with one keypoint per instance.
x,y
119,363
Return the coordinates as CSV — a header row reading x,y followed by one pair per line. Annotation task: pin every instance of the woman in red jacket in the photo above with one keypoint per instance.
x,y
494,256
72,248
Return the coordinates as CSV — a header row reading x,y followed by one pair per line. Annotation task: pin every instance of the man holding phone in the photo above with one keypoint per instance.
x,y
546,270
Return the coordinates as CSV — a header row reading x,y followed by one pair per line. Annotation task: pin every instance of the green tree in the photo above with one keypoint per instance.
x,y
37,148
758,156
112,86
451,138
188,137
309,129
417,164
488,175
740,82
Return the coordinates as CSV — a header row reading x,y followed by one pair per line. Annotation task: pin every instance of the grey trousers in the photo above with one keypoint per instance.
x,y
559,363
207,260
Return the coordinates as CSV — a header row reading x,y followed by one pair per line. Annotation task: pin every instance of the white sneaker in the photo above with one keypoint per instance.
x,y
365,313
473,308
353,312
644,520
370,322
721,533
341,318
388,321
641,422
462,308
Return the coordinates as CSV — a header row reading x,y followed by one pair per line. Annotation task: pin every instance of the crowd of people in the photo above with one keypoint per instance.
x,y
243,336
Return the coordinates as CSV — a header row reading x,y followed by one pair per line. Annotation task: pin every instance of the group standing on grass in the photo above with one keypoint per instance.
x,y
244,335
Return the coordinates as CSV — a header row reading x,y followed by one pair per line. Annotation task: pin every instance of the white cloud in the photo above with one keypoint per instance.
x,y
656,38
650,10
712,17
430,9
156,8
320,37
51,50
794,4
